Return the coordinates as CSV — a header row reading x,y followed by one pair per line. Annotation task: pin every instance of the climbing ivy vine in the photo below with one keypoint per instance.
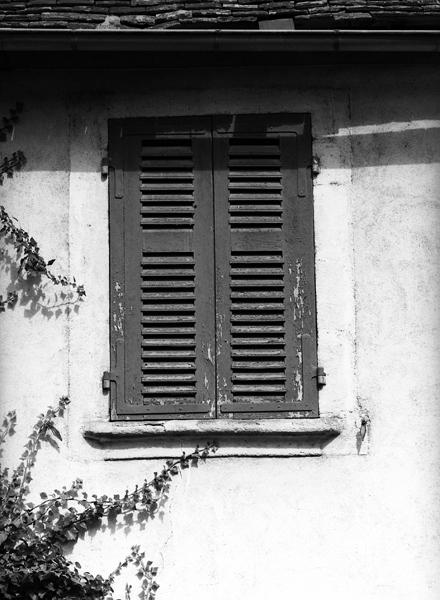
x,y
31,263
34,534
29,258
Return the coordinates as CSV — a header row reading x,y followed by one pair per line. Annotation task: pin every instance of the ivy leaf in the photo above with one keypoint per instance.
x,y
55,431
70,535
52,442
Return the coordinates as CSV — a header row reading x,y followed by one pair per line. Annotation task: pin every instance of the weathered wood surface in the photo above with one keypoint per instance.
x,y
218,291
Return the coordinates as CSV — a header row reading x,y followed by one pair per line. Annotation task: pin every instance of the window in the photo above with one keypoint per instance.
x,y
212,268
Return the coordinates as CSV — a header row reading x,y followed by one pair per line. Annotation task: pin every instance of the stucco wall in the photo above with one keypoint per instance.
x,y
343,525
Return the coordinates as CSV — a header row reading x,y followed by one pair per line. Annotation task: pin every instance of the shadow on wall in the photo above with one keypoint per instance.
x,y
391,113
391,144
35,293
395,122
128,523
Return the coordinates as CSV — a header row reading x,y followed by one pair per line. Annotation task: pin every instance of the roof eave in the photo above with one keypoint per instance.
x,y
220,41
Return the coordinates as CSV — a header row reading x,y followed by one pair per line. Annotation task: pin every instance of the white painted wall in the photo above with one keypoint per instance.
x,y
343,525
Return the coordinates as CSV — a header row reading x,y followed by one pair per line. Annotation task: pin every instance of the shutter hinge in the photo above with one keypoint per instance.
x,y
316,166
321,376
107,378
104,167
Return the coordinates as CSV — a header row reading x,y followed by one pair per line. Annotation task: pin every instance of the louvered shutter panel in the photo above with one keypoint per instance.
x,y
265,294
163,302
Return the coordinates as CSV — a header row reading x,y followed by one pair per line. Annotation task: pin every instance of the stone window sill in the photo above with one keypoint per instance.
x,y
260,437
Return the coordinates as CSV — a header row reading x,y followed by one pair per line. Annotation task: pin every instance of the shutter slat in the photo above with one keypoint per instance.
x,y
167,340
256,307
169,258
162,151
252,317
253,149
255,210
163,176
242,378
168,220
239,283
168,378
254,174
259,365
261,353
177,284
153,270
256,342
246,220
169,163
256,257
168,318
168,198
166,186
257,389
159,210
171,390
168,297
254,185
176,354
167,366
259,329
254,197
160,309
257,295
253,163
169,331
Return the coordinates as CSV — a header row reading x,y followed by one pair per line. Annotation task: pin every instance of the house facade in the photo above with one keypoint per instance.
x,y
254,216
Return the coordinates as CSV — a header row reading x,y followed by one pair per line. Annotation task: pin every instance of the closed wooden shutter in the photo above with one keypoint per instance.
x,y
163,336
212,268
265,294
